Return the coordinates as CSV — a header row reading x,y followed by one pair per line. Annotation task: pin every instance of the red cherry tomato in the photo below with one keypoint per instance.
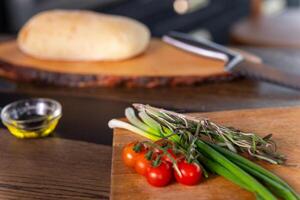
x,y
159,176
129,155
191,173
172,154
142,164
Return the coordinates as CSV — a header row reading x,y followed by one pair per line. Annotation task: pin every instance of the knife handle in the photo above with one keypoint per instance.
x,y
265,72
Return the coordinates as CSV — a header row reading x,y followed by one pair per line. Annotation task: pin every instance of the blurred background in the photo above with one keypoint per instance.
x,y
213,19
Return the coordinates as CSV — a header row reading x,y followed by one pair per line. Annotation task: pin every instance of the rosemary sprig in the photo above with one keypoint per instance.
x,y
235,140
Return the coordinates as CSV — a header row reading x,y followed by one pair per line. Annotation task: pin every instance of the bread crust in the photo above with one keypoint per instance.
x,y
82,36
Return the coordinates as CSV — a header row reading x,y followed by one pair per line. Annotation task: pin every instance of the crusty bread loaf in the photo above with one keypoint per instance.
x,y
82,36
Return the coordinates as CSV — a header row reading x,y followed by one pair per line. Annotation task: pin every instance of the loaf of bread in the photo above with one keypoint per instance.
x,y
74,35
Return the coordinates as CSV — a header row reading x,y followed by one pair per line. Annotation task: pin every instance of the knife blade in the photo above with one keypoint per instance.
x,y
234,62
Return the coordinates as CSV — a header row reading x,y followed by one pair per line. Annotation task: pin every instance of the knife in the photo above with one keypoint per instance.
x,y
234,61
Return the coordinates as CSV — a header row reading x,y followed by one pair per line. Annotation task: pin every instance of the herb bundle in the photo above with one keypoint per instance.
x,y
216,147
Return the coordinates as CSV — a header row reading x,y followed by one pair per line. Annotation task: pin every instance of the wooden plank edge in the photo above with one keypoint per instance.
x,y
31,74
111,194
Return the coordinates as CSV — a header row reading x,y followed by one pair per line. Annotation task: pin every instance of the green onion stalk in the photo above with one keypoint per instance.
x,y
216,147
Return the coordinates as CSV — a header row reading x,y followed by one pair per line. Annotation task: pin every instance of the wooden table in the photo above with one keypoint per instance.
x,y
53,169
68,167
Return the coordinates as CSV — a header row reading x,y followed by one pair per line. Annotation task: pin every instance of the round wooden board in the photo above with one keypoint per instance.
x,y
160,65
281,30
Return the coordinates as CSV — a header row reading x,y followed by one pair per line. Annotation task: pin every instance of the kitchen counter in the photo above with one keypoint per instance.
x,y
75,162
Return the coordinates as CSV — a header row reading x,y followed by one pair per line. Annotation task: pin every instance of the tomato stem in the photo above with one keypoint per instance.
x,y
149,155
137,147
166,153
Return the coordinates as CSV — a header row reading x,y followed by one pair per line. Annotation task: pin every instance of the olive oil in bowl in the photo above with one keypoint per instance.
x,y
31,118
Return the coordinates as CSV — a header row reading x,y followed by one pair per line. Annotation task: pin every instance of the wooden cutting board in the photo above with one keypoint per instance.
x,y
160,65
283,123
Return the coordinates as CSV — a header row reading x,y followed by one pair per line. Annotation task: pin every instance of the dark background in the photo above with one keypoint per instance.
x,y
216,18
158,15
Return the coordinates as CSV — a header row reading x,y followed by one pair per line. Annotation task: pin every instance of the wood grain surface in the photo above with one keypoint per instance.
x,y
161,64
53,168
283,123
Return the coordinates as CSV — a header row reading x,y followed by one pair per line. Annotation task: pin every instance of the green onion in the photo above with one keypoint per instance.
x,y
130,115
114,123
259,172
219,169
254,184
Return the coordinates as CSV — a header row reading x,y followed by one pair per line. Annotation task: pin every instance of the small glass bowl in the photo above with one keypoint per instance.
x,y
31,118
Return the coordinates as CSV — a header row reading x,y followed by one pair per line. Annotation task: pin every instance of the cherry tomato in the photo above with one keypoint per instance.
x,y
142,164
129,155
167,158
159,176
191,173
